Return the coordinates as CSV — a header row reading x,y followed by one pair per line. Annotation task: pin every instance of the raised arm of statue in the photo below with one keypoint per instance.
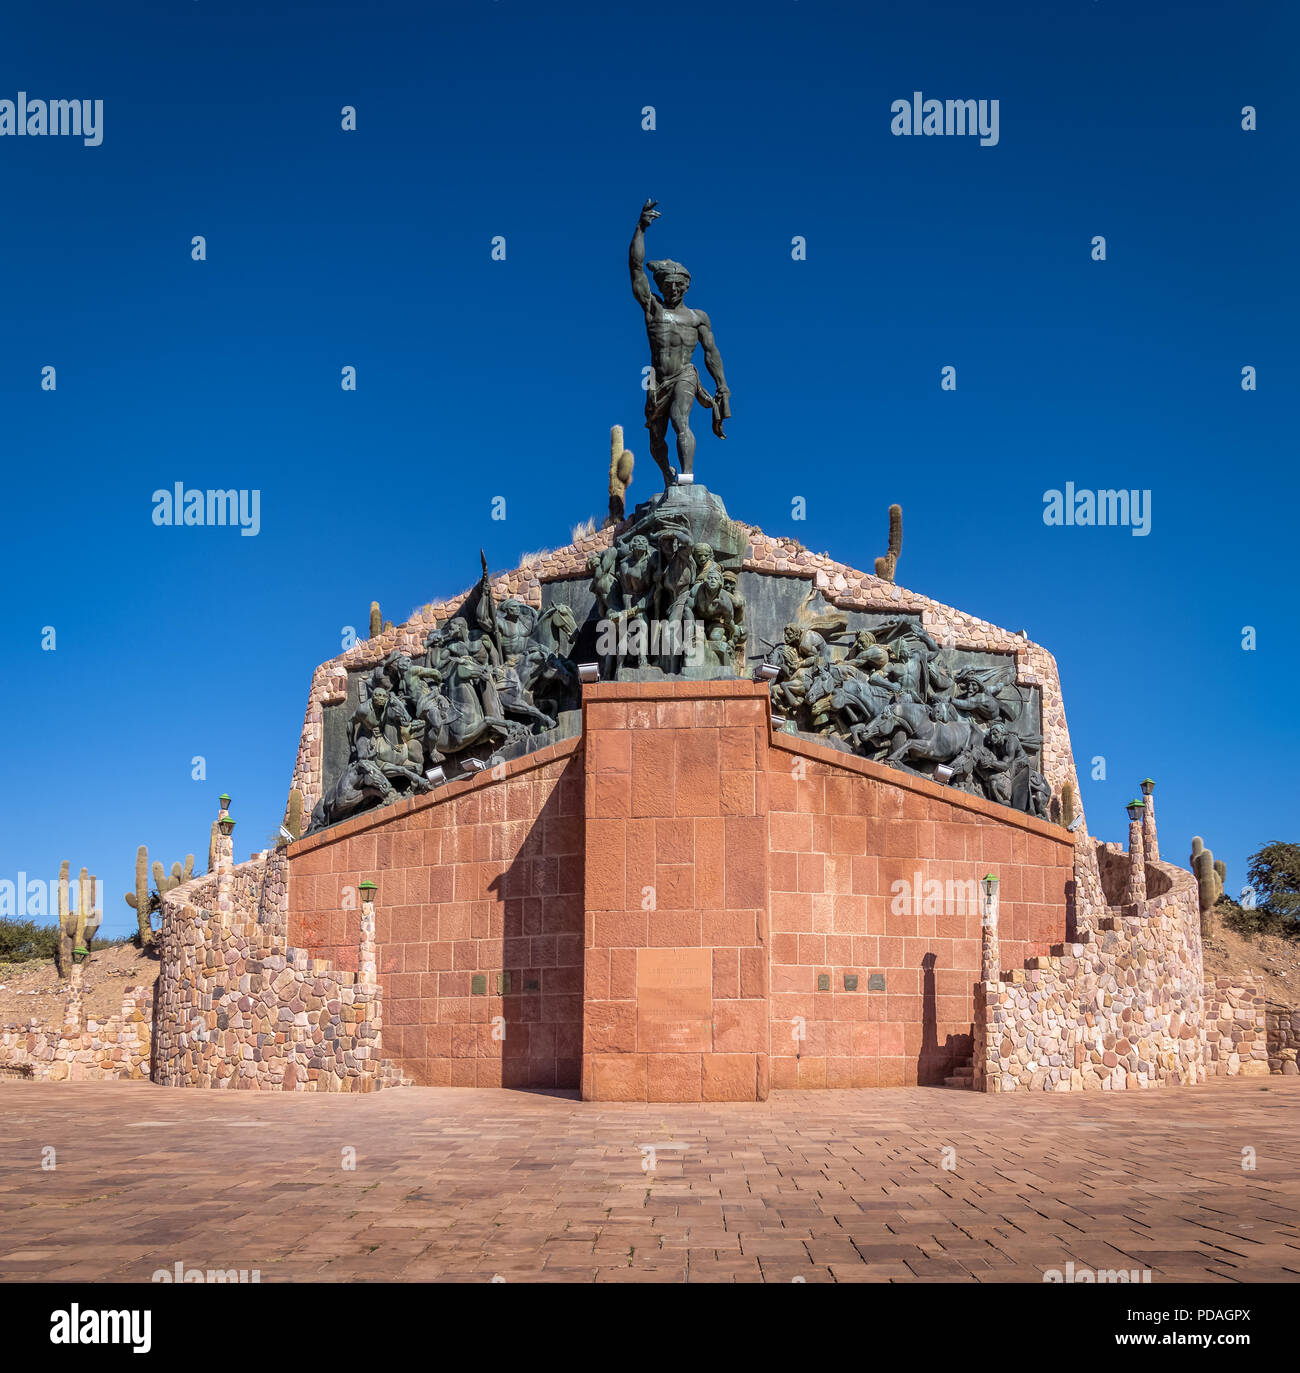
x,y
636,255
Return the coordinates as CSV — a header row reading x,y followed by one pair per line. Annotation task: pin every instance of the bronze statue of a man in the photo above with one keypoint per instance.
x,y
674,329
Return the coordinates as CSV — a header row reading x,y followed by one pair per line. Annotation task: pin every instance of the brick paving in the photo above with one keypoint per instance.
x,y
466,1185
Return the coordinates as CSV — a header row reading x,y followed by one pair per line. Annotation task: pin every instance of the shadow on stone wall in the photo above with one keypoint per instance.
x,y
1112,864
1159,880
542,895
936,1062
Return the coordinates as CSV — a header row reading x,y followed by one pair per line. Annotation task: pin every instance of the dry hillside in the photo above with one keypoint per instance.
x,y
34,989
1274,962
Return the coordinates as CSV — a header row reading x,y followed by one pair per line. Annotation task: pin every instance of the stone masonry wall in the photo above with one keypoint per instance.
x,y
782,860
672,831
875,873
479,920
118,1047
1121,1006
238,1008
1282,1029
1236,1033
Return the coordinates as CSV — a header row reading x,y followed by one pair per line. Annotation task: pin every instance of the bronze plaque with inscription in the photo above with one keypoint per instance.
x,y
674,1000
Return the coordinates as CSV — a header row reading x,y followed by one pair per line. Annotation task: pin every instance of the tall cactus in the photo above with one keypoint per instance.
x,y
888,565
1067,804
164,882
1210,877
295,813
138,900
63,949
88,917
76,928
621,463
376,620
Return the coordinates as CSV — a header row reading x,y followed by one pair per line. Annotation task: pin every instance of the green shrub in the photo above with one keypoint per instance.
x,y
24,940
1260,920
1274,873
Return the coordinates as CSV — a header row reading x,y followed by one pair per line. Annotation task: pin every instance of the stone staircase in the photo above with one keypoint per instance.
x,y
964,1077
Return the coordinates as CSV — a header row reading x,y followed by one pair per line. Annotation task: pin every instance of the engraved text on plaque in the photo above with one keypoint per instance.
x,y
674,994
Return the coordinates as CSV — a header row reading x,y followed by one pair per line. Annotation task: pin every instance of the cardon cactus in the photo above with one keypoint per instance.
x,y
888,565
620,475
294,823
376,620
63,949
89,917
1210,877
143,901
1067,804
164,882
138,899
76,928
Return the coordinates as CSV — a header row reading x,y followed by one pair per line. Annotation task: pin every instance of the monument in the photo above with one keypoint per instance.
x,y
681,811
650,799
684,811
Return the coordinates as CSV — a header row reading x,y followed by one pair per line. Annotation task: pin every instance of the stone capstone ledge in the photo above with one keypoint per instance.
x,y
447,791
978,805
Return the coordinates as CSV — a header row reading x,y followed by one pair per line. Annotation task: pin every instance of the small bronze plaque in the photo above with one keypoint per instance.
x,y
876,982
478,984
503,984
823,982
531,984
674,994
850,982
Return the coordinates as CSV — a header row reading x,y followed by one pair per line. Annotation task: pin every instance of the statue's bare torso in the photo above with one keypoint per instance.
x,y
673,335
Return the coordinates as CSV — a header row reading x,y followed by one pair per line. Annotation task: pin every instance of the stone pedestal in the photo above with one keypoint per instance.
x,y
1150,840
990,954
1135,893
676,892
698,509
680,905
367,976
225,855
72,1014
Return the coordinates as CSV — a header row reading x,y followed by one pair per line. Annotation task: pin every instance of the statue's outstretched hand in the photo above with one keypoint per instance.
x,y
648,214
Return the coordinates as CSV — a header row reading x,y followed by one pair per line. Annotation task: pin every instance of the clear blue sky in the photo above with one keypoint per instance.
x,y
479,378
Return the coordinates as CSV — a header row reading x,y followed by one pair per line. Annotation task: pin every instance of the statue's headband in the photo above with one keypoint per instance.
x,y
668,270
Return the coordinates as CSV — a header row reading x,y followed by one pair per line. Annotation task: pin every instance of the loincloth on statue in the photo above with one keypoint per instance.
x,y
661,392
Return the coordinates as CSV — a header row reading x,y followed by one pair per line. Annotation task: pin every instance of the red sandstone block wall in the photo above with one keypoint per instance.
x,y
479,877
679,833
841,836
676,861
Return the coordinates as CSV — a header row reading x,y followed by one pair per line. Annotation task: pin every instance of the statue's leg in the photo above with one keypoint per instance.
x,y
683,399
658,428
